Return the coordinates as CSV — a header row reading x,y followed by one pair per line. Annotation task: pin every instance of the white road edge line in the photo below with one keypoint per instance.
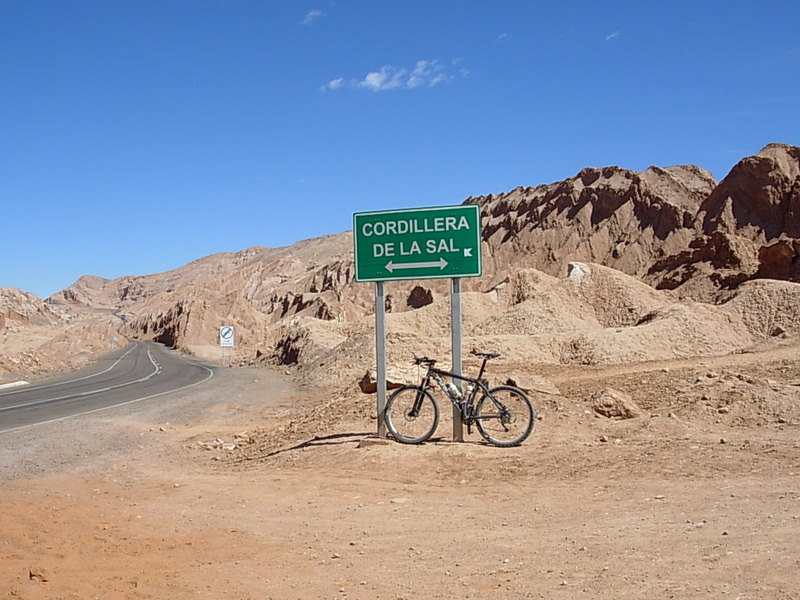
x,y
12,384
44,387
156,370
89,412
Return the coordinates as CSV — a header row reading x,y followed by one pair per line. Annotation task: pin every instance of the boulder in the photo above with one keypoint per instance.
x,y
395,378
615,404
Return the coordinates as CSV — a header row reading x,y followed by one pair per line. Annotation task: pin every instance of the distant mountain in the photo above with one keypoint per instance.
x,y
675,229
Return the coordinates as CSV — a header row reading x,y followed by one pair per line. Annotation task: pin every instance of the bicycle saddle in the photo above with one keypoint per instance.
x,y
486,355
424,360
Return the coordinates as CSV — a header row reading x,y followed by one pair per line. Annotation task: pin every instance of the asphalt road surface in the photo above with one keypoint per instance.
x,y
141,371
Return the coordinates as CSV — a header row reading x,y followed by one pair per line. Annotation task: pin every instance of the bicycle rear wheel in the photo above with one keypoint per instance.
x,y
505,417
412,414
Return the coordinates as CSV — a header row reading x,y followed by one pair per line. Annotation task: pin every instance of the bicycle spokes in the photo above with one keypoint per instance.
x,y
411,415
504,416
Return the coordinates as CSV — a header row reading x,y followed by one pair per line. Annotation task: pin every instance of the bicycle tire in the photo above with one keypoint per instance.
x,y
509,424
406,427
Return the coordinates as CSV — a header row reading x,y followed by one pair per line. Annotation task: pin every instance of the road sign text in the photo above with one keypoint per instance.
x,y
420,243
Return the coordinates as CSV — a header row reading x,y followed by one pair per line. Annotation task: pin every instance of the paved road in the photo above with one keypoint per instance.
x,y
141,371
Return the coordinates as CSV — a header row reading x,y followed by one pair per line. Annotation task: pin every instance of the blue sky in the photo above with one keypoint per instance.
x,y
137,136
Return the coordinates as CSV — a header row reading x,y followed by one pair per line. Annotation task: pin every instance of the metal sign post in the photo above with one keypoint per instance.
x,y
380,355
422,243
455,339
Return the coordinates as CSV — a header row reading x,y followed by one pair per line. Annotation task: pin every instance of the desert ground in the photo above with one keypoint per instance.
x,y
253,487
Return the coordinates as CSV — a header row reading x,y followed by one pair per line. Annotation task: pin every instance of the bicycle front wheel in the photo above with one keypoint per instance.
x,y
411,414
505,417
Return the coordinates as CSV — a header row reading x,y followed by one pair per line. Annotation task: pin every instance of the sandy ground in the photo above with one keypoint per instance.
x,y
698,498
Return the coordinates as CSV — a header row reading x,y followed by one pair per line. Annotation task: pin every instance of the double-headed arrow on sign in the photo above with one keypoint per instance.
x,y
392,267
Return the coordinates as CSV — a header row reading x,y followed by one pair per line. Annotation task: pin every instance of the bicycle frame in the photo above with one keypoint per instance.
x,y
465,406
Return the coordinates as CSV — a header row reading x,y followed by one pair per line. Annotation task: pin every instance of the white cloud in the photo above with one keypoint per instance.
x,y
388,78
425,73
312,16
612,36
502,37
333,84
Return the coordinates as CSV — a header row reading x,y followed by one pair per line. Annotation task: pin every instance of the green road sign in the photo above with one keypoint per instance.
x,y
418,243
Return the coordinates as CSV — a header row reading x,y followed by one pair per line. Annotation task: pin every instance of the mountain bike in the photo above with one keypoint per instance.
x,y
503,415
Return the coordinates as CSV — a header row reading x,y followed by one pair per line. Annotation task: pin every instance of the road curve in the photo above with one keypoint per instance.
x,y
141,371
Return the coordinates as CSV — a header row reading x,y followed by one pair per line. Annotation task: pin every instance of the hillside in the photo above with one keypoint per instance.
x,y
595,269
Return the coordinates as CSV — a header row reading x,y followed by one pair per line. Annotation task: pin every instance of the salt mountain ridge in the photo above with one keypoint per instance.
x,y
665,237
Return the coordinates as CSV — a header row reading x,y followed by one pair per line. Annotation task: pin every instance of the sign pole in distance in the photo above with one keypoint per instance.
x,y
226,340
420,243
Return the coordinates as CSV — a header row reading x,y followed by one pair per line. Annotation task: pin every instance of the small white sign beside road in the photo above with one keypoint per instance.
x,y
226,336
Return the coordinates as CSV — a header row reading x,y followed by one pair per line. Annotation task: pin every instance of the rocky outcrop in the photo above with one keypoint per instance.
x,y
747,228
759,199
20,309
611,216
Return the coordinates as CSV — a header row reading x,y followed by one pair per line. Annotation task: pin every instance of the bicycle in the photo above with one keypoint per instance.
x,y
503,415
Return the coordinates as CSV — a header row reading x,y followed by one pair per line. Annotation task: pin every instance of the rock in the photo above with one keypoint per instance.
x,y
395,378
38,574
614,404
577,271
419,297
